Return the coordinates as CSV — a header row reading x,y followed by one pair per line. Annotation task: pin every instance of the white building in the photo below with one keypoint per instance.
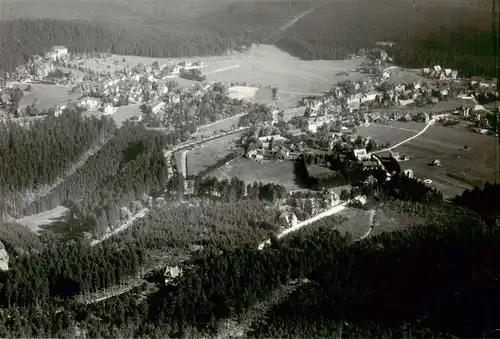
x,y
157,108
90,103
108,109
57,52
361,154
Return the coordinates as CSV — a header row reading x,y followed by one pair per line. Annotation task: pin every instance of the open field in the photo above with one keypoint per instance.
x,y
462,168
125,112
392,133
47,96
36,221
405,76
200,158
357,221
264,65
224,124
242,92
267,172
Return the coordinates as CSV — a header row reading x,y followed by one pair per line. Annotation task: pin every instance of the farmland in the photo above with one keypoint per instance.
x,y
47,96
201,157
267,172
462,167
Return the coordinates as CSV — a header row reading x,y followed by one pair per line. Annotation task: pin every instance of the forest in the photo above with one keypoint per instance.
x,y
411,283
32,158
232,27
458,36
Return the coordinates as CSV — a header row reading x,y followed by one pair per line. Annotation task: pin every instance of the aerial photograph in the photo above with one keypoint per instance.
x,y
249,169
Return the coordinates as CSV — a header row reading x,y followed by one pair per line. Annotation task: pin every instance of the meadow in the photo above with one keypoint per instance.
x,y
207,154
469,159
267,172
47,96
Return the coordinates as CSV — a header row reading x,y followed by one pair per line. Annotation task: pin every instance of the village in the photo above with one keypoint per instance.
x,y
317,126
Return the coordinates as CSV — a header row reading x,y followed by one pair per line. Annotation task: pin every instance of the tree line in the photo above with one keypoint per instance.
x,y
235,189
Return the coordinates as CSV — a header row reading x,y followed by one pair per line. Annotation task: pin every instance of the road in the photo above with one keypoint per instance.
x,y
183,164
218,122
331,211
141,214
429,124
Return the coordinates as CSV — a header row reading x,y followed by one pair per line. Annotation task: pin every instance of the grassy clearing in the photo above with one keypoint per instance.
x,y
267,172
386,133
47,96
200,158
224,124
126,112
35,222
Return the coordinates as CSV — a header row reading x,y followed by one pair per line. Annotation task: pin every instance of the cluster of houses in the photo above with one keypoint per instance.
x,y
439,73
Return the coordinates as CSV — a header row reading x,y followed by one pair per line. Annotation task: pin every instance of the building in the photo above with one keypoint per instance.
x,y
157,108
57,52
108,109
90,103
172,273
361,154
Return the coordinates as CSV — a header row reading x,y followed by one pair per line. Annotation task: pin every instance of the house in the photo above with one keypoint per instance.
x,y
488,83
361,154
90,103
172,273
437,68
288,219
406,117
408,173
406,102
59,109
108,109
395,155
454,74
176,98
176,70
423,117
158,107
475,80
426,71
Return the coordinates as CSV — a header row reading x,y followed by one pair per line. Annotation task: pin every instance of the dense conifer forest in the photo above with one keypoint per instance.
x,y
413,283
458,36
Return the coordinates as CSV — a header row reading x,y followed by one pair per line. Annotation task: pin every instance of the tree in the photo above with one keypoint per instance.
x,y
274,91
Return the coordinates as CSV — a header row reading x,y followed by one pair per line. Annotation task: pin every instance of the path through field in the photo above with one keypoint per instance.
x,y
228,68
429,124
367,234
398,128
